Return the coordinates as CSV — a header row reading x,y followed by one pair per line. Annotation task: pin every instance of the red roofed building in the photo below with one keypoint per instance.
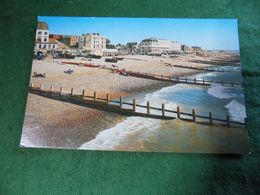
x,y
57,37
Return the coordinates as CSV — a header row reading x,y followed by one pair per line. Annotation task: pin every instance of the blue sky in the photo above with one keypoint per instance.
x,y
206,33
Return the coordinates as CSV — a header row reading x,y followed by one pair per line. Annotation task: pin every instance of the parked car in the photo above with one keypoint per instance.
x,y
39,55
96,56
114,60
68,56
69,71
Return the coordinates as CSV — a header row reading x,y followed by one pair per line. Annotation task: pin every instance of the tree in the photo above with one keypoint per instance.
x,y
131,46
109,45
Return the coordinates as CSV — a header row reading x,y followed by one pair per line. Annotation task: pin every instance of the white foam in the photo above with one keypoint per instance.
x,y
109,138
158,97
236,110
208,74
219,92
141,127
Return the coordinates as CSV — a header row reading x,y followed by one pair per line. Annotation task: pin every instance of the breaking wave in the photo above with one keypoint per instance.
x,y
134,129
219,92
236,110
109,138
139,127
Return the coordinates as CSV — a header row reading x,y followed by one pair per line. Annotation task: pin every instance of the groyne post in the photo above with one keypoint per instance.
x,y
41,88
193,115
71,92
148,108
51,88
203,81
163,110
228,121
83,93
95,95
178,112
107,98
194,80
121,102
186,80
210,118
61,90
134,105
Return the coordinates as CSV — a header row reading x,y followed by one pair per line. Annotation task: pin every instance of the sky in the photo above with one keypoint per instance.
x,y
212,34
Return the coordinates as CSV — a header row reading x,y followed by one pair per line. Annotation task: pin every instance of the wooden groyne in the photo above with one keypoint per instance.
x,y
129,108
234,59
209,69
91,65
219,63
161,77
194,81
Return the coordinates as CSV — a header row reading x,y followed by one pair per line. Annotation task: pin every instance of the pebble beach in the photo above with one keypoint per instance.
x,y
50,123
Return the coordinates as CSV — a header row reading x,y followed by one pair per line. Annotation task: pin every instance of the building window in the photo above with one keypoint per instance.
x,y
39,39
45,39
45,33
53,46
40,46
40,32
44,46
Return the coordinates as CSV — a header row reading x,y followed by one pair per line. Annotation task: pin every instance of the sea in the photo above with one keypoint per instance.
x,y
157,135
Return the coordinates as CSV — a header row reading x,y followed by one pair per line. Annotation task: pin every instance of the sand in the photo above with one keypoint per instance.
x,y
50,123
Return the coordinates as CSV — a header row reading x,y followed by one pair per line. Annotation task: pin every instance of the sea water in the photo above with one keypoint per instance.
x,y
146,134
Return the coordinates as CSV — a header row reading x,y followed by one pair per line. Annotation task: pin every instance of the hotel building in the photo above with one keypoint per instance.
x,y
92,43
158,46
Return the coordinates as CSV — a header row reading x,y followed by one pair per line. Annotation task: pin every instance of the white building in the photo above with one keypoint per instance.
x,y
42,40
176,46
158,46
92,43
110,52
